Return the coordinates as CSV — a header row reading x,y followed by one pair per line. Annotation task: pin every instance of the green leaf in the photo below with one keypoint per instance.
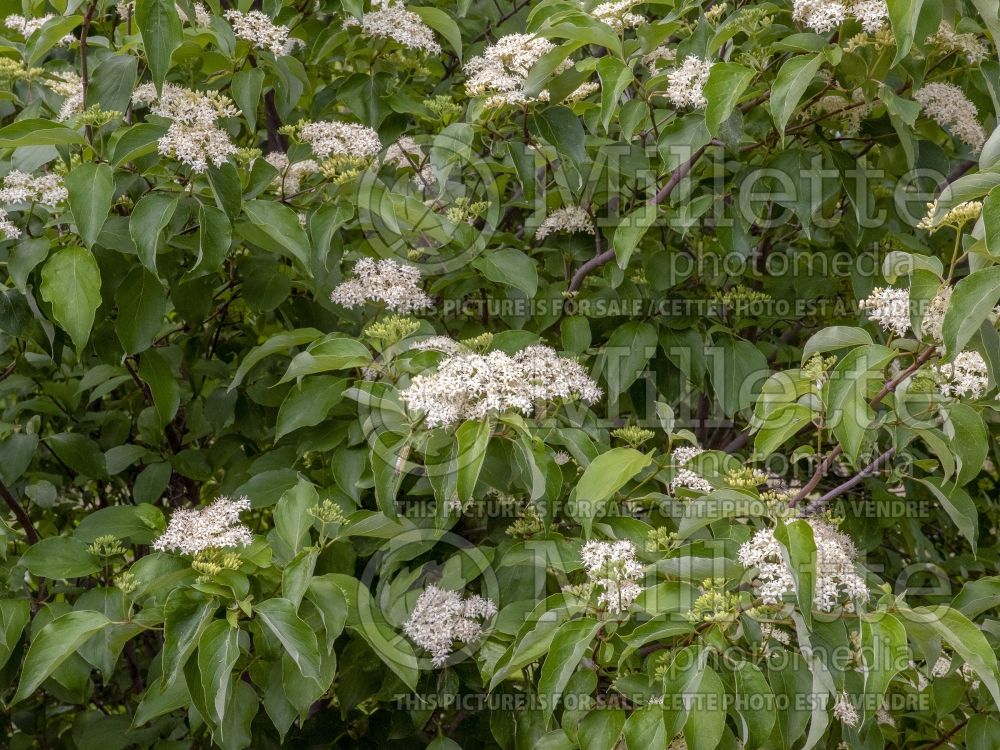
x,y
845,395
754,704
958,505
630,231
615,77
605,475
56,642
186,614
279,616
833,338
142,304
570,643
790,84
601,729
969,440
16,452
560,127
332,353
60,557
155,371
781,425
627,354
14,616
964,637
80,453
706,723
137,524
150,217
972,302
218,650
246,87
278,343
443,24
50,35
511,267
91,189
903,15
797,539
278,223
291,514
884,650
308,403
71,283
472,438
734,374
160,27
726,84
215,235
39,132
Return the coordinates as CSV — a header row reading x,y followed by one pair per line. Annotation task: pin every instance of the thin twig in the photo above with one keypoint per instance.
x,y
816,505
20,513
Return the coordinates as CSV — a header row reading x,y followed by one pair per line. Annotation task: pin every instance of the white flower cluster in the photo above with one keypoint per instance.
x,y
613,567
8,229
70,86
835,574
688,479
290,176
947,40
686,83
339,139
393,284
215,527
444,344
262,33
193,137
890,308
391,20
470,386
826,15
663,52
966,376
685,453
27,26
441,617
566,221
406,153
950,108
844,710
617,14
501,71
933,320
19,187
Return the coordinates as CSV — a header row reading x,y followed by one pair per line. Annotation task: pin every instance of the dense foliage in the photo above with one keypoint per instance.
x,y
500,374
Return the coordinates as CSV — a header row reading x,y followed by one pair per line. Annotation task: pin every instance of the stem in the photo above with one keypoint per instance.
x,y
84,72
20,513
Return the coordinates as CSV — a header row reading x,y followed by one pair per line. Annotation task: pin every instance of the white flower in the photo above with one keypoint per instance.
x,y
882,716
950,108
819,15
845,711
561,458
385,281
261,31
391,20
501,71
685,453
663,52
46,189
214,527
441,617
873,15
686,84
947,40
7,228
890,308
967,375
617,15
583,91
70,86
289,178
613,567
444,344
470,386
193,137
941,667
565,220
690,480
28,26
340,139
967,673
933,319
835,573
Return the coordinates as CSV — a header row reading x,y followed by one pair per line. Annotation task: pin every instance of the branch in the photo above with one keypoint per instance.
x,y
888,388
20,513
816,505
601,258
